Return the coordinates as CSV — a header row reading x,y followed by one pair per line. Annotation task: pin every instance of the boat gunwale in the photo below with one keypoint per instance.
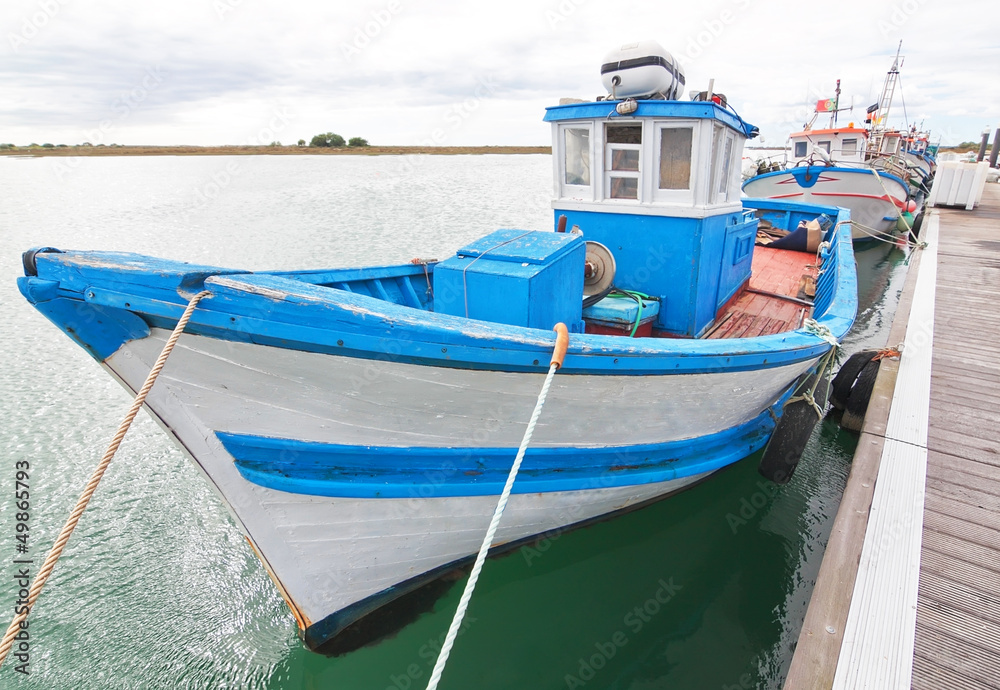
x,y
273,309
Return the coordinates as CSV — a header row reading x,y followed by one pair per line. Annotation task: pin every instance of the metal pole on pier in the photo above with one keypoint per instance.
x,y
983,144
996,148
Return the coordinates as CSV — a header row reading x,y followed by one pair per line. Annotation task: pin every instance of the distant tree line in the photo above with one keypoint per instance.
x,y
331,140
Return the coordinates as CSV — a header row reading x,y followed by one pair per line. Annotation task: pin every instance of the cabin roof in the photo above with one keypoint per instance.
x,y
601,110
830,132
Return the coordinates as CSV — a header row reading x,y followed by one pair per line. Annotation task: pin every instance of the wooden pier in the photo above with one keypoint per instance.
x,y
909,591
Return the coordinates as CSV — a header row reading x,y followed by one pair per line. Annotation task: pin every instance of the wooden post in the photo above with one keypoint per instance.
x,y
996,148
983,145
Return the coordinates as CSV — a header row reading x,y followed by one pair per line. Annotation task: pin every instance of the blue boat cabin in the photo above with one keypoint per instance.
x,y
660,188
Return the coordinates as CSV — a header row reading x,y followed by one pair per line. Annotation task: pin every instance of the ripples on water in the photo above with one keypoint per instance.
x,y
158,589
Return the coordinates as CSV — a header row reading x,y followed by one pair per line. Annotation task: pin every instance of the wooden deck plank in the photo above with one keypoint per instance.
x,y
957,527
973,514
961,571
961,596
949,459
963,493
969,443
945,662
973,631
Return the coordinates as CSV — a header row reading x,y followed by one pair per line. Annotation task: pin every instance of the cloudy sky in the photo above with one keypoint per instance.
x,y
462,72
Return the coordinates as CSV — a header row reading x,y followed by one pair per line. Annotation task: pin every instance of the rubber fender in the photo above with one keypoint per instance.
x,y
917,222
28,259
844,381
798,419
857,403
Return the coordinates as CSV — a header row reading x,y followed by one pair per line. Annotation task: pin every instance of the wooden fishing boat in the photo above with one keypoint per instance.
x,y
358,423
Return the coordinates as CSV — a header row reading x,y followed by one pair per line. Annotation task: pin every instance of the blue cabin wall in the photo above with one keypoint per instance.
x,y
676,259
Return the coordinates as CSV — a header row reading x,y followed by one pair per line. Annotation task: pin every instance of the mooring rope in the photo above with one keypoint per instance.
x,y
825,364
899,213
95,478
562,340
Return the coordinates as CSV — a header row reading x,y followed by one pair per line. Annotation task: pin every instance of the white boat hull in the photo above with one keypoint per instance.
x,y
874,201
336,554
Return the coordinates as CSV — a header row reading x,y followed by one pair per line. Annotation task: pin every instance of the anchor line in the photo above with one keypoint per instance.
x,y
95,479
562,340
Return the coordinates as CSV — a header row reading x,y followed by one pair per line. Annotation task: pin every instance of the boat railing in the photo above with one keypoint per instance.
x,y
832,257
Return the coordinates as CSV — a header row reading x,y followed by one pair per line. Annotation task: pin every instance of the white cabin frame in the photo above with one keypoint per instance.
x,y
713,182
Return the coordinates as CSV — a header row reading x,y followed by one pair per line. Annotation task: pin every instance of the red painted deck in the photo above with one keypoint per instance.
x,y
777,271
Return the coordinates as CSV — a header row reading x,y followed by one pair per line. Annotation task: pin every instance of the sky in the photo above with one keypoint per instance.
x,y
462,72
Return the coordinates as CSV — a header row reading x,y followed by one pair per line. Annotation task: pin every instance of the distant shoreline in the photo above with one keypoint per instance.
x,y
73,151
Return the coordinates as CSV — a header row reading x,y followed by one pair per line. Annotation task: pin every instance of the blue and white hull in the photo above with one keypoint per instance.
x,y
875,200
336,558
340,540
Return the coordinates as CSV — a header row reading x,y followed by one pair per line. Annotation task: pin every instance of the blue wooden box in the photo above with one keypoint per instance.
x,y
617,315
515,277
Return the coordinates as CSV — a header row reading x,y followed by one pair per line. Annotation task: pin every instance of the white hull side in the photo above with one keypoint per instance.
x,y
870,199
253,389
328,553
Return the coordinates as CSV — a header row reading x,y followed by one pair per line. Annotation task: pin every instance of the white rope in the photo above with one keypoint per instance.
x,y
463,603
899,214
821,330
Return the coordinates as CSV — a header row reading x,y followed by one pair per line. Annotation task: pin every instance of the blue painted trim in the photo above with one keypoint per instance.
x,y
699,110
285,312
323,469
100,330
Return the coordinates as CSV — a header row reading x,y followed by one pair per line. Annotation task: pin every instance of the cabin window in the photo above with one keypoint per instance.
x,y
825,145
890,145
675,157
577,147
623,157
800,149
727,156
849,147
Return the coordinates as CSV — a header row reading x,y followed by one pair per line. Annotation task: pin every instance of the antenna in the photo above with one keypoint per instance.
x,y
836,104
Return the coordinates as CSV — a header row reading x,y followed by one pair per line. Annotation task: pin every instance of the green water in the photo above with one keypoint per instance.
x,y
158,589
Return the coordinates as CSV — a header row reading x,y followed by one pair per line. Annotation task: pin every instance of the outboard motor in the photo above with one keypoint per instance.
x,y
642,70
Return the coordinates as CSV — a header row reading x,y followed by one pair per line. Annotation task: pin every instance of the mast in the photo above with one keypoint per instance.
x,y
888,89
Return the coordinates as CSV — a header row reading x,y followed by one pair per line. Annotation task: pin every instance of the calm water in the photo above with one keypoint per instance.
x,y
158,589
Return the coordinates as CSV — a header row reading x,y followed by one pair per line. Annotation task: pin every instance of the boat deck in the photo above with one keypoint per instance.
x,y
907,592
759,310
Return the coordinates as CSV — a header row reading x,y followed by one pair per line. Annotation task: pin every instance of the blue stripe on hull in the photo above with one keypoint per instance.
x,y
325,469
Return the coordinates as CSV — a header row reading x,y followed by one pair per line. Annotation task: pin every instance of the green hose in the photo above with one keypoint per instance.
x,y
638,297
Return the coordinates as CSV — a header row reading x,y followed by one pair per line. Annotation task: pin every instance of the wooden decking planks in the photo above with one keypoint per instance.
x,y
778,271
958,610
955,631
